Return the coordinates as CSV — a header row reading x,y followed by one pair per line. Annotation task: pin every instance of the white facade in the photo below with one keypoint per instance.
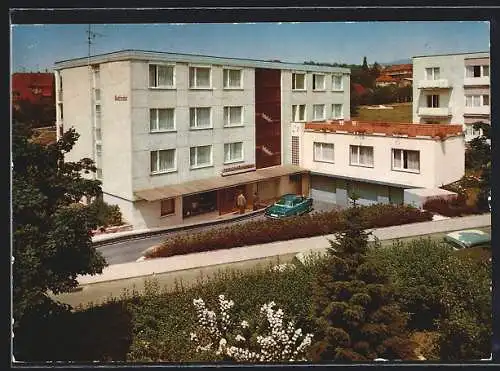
x,y
143,136
452,89
376,164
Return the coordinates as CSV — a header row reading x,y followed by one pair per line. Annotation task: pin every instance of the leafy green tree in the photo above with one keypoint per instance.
x,y
51,230
353,305
364,66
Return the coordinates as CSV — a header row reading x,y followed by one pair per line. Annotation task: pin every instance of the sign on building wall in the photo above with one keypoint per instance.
x,y
121,98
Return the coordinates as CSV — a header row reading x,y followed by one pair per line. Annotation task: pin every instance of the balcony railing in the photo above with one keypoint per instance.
x,y
434,84
434,111
483,110
475,81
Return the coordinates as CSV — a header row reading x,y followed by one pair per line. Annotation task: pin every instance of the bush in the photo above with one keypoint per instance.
x,y
456,206
107,215
257,232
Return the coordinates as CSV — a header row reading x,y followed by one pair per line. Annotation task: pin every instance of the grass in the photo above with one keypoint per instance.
x,y
401,112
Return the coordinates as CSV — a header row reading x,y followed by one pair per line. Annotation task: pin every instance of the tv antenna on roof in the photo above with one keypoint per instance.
x,y
91,35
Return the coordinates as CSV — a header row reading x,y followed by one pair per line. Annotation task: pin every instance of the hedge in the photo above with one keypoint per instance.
x,y
261,232
456,206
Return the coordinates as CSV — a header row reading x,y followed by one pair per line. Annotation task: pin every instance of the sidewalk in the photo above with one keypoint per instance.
x,y
238,254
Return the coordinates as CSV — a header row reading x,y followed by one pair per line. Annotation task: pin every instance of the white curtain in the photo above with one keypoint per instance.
x,y
203,77
165,76
294,114
337,111
154,161
337,82
192,156
204,155
397,158
203,117
354,155
366,155
317,151
235,115
436,73
152,75
234,78
468,101
328,152
165,119
469,71
167,159
413,158
192,77
319,110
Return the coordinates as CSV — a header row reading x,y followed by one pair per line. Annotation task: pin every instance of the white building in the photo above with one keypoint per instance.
x,y
378,161
453,88
175,135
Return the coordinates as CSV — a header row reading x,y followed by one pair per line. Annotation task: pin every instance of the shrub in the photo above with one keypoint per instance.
x,y
107,215
257,232
457,206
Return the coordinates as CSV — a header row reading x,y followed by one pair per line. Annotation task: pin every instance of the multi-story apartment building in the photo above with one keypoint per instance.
x,y
174,135
377,161
453,88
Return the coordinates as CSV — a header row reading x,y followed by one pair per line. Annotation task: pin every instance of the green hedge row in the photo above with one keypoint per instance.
x,y
260,232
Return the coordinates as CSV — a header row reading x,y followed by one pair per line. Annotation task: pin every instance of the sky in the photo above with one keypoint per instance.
x,y
38,47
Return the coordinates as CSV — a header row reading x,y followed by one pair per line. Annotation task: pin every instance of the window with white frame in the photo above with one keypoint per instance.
x,y
477,100
232,78
233,116
471,131
298,113
200,156
337,82
361,156
298,81
337,111
200,77
318,112
318,82
161,119
432,73
98,150
167,207
162,161
161,76
200,118
477,71
405,160
324,152
233,152
433,101
98,134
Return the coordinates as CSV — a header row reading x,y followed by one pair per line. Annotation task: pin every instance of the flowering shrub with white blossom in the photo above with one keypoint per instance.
x,y
282,267
270,342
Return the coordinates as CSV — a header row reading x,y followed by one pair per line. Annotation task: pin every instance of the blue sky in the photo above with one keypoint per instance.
x,y
37,47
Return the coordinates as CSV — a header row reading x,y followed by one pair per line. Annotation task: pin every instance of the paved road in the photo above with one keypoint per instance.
x,y
130,251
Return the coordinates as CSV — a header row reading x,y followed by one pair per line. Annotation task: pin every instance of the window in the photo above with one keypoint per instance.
x,y
167,207
337,82
233,152
298,81
433,101
161,119
477,71
98,149
232,79
200,78
200,118
405,160
298,113
318,82
200,156
337,111
323,152
97,75
477,100
161,76
233,116
361,156
470,131
318,112
97,94
163,161
432,73
61,110
98,135
486,70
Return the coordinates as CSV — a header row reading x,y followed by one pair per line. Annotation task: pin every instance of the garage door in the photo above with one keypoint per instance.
x,y
323,189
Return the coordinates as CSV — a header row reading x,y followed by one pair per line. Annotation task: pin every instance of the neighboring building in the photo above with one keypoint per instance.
x,y
378,160
176,135
452,88
386,80
35,87
399,71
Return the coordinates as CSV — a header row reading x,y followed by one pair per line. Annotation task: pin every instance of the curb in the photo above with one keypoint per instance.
x,y
166,230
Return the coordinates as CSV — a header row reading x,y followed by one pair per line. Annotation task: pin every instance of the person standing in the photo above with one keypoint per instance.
x,y
241,202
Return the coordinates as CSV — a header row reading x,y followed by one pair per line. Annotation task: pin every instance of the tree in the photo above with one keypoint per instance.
x,y
34,114
364,66
353,305
51,230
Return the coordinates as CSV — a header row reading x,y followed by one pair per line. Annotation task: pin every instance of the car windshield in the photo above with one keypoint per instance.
x,y
285,202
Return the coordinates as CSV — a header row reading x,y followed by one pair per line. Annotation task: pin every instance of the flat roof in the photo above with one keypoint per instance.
x,y
215,183
156,56
450,54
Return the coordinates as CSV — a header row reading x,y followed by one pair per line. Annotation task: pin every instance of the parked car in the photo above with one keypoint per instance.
x,y
289,205
468,238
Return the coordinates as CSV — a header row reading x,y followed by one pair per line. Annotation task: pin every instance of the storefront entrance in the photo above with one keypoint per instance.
x,y
227,199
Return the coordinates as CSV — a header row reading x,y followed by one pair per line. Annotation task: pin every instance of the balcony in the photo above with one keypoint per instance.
x,y
60,96
479,111
477,81
434,111
434,84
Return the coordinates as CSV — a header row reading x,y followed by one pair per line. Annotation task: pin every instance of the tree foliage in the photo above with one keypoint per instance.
x,y
353,304
34,114
51,231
